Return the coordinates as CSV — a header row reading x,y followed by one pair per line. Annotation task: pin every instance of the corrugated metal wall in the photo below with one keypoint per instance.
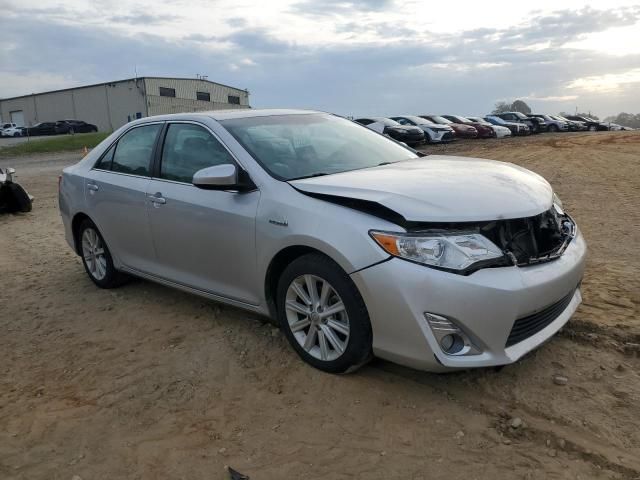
x,y
185,99
111,105
108,106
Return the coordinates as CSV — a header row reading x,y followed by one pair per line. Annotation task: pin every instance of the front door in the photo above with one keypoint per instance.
x,y
204,239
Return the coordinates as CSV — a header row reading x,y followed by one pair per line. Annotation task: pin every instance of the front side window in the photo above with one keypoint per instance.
x,y
295,146
133,150
189,148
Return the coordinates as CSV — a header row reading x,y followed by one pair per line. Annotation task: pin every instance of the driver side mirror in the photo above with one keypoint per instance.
x,y
223,177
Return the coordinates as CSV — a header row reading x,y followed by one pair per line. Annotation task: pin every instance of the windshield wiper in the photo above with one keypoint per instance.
x,y
311,175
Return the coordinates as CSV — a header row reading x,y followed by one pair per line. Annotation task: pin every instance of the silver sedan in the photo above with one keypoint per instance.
x,y
357,245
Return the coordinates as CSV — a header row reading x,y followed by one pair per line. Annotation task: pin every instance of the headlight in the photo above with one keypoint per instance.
x,y
456,251
557,204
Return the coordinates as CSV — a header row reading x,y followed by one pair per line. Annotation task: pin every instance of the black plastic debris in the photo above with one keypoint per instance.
x,y
234,475
13,197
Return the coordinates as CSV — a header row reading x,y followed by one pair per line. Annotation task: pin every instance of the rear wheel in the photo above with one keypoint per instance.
x,y
96,257
323,315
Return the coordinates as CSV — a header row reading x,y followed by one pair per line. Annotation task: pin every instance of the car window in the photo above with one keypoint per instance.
x,y
133,151
296,146
105,161
189,148
402,121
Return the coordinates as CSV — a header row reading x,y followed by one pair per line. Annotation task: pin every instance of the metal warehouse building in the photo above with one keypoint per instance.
x,y
111,105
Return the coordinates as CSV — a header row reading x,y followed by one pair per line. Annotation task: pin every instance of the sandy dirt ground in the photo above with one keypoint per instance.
x,y
144,382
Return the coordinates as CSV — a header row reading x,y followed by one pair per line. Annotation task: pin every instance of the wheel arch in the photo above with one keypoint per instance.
x,y
277,265
78,218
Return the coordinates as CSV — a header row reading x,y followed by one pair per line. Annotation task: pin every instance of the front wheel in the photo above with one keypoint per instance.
x,y
592,128
553,128
323,315
97,259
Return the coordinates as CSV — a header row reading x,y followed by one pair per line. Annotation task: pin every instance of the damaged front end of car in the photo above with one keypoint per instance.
x,y
13,197
511,242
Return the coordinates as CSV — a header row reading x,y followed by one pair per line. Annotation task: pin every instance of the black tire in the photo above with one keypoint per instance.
x,y
553,128
593,128
112,278
358,348
72,131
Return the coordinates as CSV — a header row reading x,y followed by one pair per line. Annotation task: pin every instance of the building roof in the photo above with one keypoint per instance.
x,y
120,81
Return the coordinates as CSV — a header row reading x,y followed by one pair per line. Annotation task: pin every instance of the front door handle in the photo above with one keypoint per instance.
x,y
93,187
157,199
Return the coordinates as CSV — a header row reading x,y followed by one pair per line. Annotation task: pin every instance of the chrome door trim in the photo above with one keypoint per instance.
x,y
196,291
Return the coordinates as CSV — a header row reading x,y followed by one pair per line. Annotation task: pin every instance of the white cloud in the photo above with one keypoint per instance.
x,y
606,83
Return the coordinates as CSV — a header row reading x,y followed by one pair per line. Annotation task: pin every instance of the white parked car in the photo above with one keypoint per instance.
x,y
10,130
435,132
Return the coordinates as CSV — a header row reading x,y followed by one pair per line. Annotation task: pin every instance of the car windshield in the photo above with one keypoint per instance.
x,y
498,120
461,119
417,120
290,147
439,119
520,115
386,121
479,120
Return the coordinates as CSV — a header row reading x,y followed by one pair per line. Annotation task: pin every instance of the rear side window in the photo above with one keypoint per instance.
x,y
133,151
105,162
189,148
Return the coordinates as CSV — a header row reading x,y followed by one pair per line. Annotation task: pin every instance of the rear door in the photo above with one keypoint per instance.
x,y
204,239
115,191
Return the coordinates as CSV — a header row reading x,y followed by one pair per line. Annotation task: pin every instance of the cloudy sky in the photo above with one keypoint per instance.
x,y
357,57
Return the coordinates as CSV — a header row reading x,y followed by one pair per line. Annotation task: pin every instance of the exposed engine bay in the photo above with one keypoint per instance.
x,y
13,197
532,240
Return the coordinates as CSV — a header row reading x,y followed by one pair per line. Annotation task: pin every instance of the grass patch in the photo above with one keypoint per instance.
x,y
61,143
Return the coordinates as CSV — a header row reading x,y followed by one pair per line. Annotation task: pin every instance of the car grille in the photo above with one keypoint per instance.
x,y
525,327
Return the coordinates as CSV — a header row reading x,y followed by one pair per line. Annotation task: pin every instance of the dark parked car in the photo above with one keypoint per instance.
x,y
74,126
592,125
43,128
484,131
574,125
515,127
553,125
412,136
537,125
462,130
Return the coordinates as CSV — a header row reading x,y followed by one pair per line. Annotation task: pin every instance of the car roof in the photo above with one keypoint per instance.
x,y
224,114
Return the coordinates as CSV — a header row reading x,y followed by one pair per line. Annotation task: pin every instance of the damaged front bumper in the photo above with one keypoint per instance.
x,y
487,306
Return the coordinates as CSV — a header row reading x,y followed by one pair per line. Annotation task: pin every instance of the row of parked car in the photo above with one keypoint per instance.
x,y
47,128
418,129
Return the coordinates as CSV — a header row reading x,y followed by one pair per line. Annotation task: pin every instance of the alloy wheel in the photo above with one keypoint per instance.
x,y
317,317
93,254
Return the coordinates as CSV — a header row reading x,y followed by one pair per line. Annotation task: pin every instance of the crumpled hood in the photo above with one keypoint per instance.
x,y
440,188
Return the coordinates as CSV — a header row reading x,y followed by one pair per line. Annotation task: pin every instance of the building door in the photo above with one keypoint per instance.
x,y
17,117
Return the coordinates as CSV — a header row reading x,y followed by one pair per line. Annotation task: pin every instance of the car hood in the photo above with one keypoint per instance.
x,y
461,126
437,189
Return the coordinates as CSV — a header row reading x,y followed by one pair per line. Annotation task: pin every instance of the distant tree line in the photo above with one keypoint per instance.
x,y
625,119
517,106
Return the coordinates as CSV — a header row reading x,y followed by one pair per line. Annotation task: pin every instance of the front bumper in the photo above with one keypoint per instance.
x,y
484,305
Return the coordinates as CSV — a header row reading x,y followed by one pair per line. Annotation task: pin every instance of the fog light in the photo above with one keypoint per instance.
x,y
451,339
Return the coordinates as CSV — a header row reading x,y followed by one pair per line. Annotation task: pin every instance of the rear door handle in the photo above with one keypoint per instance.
x,y
93,187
